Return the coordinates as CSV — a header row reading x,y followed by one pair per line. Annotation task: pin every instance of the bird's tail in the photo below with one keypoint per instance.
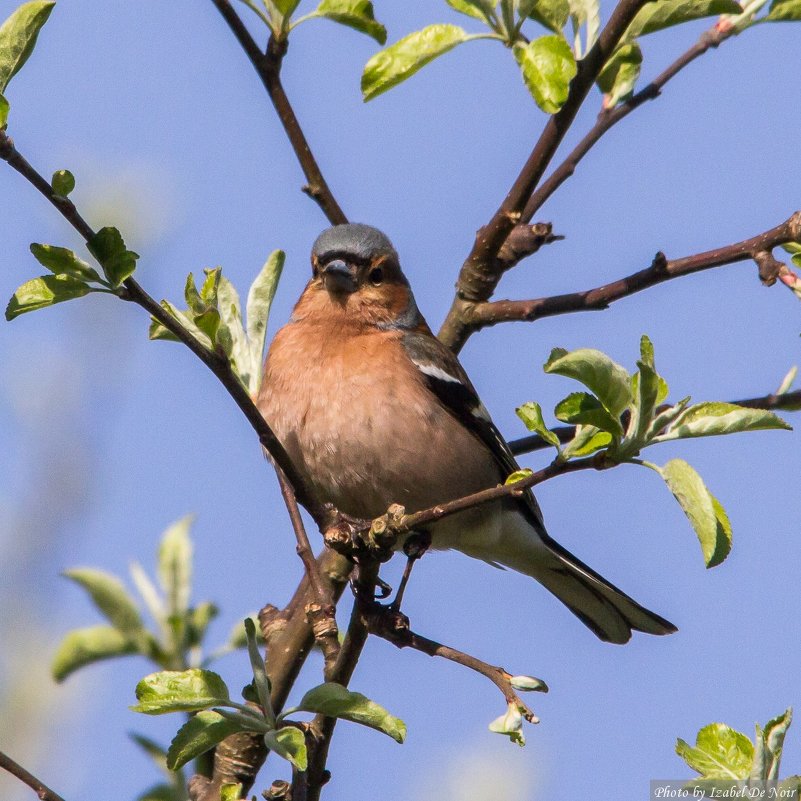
x,y
601,606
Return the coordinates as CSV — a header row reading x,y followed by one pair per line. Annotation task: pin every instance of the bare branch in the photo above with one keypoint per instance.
x,y
15,769
481,315
321,611
395,628
268,68
480,273
610,117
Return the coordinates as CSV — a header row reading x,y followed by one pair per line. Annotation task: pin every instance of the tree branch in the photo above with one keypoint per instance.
x,y
323,515
15,769
610,117
481,315
479,274
321,611
268,68
394,628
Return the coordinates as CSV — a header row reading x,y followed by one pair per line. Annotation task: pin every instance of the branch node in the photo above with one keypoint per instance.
x,y
272,622
280,790
769,267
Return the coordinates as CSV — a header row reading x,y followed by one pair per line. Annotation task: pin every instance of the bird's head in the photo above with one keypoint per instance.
x,y
357,278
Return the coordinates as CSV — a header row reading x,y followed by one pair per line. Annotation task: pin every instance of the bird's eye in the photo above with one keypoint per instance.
x,y
376,276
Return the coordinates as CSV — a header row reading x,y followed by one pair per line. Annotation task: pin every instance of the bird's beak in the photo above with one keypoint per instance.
x,y
339,277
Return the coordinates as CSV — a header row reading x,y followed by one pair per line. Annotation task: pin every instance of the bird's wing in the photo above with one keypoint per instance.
x,y
446,378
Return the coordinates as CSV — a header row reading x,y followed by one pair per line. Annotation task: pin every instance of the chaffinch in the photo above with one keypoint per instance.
x,y
375,410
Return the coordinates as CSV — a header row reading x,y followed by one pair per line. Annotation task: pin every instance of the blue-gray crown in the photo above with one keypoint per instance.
x,y
362,242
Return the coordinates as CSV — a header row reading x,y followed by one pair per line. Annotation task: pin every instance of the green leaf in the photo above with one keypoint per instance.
x,y
666,418
587,440
238,636
784,11
479,9
528,684
619,75
286,7
46,290
531,415
108,247
4,109
581,408
158,331
510,724
720,752
336,701
200,733
548,66
646,391
769,744
84,646
175,566
714,418
290,744
231,333
400,61
18,37
702,509
518,475
231,791
180,691
552,14
62,182
260,680
198,620
148,591
656,16
356,14
787,381
584,12
63,261
112,599
608,381
260,299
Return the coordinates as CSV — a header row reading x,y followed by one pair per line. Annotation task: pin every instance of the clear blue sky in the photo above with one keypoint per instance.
x,y
107,438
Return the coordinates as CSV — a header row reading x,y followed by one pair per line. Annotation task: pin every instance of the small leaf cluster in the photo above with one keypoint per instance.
x,y
356,14
731,765
214,318
216,715
175,643
624,413
71,277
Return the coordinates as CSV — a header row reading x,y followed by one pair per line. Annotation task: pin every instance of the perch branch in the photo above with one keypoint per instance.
x,y
268,68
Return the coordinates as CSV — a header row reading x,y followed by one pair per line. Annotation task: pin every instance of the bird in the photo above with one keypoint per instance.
x,y
374,410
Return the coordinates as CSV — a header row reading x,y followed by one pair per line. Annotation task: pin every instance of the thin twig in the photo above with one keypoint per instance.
x,y
481,315
268,68
217,363
479,274
395,628
15,769
610,117
321,610
790,401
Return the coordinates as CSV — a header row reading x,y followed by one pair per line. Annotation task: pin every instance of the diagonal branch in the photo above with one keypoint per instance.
x,y
132,291
611,116
479,274
15,769
394,628
268,68
757,248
